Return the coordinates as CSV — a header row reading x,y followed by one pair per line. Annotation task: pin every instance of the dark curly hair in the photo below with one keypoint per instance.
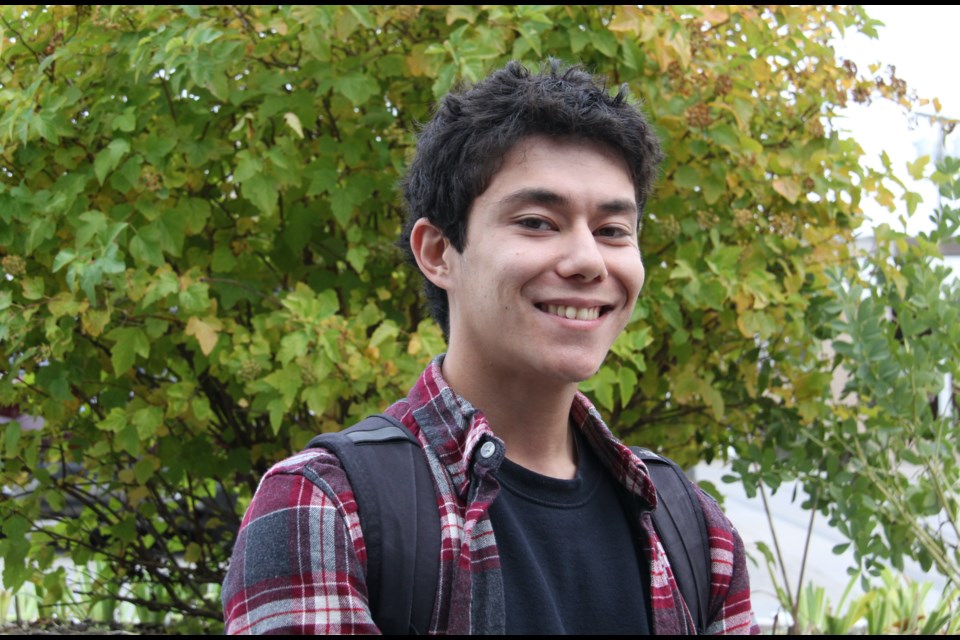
x,y
462,147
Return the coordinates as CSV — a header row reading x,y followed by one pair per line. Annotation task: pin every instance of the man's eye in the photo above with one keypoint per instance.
x,y
612,232
535,224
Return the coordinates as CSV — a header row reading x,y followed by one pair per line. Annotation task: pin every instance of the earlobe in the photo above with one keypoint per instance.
x,y
430,249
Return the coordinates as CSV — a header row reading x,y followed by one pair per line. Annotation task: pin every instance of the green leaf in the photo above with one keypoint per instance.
x,y
604,390
11,440
724,135
146,251
671,313
114,422
32,288
143,471
42,227
261,190
605,42
386,331
292,346
915,168
687,177
357,88
627,379
129,440
342,202
249,164
129,342
579,38
125,122
287,381
94,223
913,200
713,187
109,158
357,257
147,421
192,553
195,299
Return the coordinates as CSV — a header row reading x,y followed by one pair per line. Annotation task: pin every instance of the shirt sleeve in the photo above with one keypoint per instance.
x,y
730,608
298,563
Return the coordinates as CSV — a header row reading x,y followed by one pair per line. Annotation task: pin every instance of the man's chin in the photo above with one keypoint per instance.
x,y
577,372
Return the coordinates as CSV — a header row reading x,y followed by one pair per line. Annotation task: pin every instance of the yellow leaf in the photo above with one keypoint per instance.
x,y
648,30
205,331
743,300
137,495
885,199
420,64
715,15
293,122
628,19
662,53
936,105
899,281
93,321
415,345
681,45
192,553
915,169
736,115
788,188
462,12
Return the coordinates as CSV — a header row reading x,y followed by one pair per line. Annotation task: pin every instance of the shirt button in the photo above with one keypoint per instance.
x,y
488,449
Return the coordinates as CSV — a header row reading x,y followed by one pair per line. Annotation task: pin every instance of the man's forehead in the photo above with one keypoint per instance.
x,y
525,146
532,150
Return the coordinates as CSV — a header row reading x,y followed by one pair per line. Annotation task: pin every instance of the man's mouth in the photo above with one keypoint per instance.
x,y
572,313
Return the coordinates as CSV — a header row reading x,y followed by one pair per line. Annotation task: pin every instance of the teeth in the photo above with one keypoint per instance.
x,y
573,313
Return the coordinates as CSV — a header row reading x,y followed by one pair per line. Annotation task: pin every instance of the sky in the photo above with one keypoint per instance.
x,y
920,40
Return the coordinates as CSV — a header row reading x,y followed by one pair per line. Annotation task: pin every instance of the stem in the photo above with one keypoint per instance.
x,y
806,546
794,605
20,38
166,93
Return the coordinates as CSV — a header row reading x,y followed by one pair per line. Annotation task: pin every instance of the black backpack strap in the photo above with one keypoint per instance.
x,y
397,506
679,511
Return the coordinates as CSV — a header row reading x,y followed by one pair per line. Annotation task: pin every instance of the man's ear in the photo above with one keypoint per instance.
x,y
432,251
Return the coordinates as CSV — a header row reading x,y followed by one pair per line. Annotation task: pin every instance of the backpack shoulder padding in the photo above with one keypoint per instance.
x,y
682,528
391,480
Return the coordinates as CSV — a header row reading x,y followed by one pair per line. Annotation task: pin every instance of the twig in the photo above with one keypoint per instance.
x,y
806,546
776,545
20,38
166,92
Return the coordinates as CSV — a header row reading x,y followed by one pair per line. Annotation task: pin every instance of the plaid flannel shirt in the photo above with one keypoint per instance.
x,y
299,561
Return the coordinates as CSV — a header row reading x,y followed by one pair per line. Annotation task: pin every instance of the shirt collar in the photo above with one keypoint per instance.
x,y
457,432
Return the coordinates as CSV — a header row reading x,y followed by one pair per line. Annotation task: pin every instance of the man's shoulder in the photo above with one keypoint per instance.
x,y
306,477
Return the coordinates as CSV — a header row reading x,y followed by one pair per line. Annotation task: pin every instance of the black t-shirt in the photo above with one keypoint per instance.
x,y
569,555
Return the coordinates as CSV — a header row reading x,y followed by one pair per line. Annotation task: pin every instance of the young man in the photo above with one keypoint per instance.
x,y
524,199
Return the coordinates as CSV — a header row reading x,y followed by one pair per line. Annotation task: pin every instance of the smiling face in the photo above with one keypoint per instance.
x,y
551,269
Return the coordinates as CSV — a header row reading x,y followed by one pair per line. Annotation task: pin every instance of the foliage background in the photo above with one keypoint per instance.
x,y
197,217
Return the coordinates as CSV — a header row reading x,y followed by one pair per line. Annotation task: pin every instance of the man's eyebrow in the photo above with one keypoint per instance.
x,y
619,206
533,196
548,197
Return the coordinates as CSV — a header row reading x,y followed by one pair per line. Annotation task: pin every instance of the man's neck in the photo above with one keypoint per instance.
x,y
532,417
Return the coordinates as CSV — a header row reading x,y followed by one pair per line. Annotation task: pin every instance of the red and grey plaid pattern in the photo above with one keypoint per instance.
x,y
300,560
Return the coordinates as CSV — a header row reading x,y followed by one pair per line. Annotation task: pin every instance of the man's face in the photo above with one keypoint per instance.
x,y
551,269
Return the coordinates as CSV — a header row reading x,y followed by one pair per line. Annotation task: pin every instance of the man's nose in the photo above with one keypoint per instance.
x,y
582,257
